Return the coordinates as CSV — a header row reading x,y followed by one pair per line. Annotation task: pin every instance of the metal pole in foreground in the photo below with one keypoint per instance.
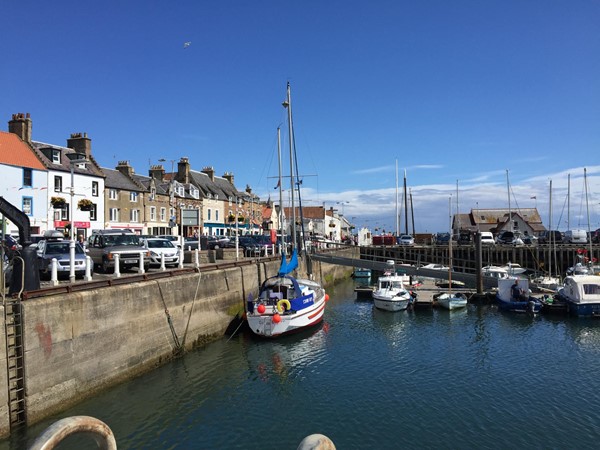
x,y
72,240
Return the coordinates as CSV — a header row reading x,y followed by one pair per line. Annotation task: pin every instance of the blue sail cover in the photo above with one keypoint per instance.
x,y
288,266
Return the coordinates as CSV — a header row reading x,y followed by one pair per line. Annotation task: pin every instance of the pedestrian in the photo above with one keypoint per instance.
x,y
516,293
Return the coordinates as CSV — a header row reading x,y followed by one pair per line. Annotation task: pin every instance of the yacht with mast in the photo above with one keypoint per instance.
x,y
285,303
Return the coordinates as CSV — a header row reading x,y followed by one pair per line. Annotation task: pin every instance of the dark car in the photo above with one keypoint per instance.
x,y
59,249
249,245
465,237
595,236
550,236
509,238
103,245
442,238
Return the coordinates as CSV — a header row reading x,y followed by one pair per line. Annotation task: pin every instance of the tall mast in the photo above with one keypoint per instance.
x,y
509,212
288,104
397,211
281,227
569,201
587,206
412,212
457,211
551,249
450,246
405,205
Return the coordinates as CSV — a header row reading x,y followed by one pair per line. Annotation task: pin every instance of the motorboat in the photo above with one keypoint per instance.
x,y
526,304
451,301
391,293
513,269
498,272
582,295
361,272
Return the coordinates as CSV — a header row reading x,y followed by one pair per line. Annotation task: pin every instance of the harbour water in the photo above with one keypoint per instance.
x,y
473,378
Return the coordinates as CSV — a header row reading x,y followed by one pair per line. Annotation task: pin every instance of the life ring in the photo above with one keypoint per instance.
x,y
283,305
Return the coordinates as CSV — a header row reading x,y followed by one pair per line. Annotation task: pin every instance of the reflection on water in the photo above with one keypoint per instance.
x,y
473,378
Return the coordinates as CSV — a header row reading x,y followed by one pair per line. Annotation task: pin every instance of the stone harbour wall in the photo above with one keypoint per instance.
x,y
80,343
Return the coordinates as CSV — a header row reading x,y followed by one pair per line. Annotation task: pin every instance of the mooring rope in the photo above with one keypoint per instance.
x,y
178,347
191,309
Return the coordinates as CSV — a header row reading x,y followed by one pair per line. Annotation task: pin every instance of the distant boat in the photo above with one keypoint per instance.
x,y
505,301
391,293
495,272
582,294
361,272
451,301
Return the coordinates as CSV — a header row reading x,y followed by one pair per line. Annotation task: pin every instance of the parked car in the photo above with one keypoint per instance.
x,y
442,239
595,236
487,238
548,236
56,247
103,245
249,245
176,240
159,247
575,237
465,237
529,239
509,238
406,239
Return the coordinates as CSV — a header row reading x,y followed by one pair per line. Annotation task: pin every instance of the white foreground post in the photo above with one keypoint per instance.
x,y
54,272
117,266
72,255
197,258
181,258
141,265
162,262
88,268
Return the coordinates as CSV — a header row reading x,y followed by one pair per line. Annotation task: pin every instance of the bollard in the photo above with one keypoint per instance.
x,y
54,272
162,262
141,266
316,442
181,258
117,264
197,259
88,268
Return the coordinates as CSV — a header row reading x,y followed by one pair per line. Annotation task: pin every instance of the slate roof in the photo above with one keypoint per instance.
x,y
117,180
91,168
162,187
15,152
220,186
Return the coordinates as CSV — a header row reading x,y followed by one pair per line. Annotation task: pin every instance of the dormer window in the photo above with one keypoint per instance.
x,y
56,156
180,191
194,192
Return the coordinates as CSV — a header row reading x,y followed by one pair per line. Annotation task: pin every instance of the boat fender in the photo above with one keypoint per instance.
x,y
276,318
326,297
283,305
261,309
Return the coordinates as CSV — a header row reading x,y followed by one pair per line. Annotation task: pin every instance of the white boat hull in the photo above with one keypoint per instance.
x,y
451,302
391,303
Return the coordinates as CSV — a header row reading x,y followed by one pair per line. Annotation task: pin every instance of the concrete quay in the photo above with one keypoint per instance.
x,y
81,338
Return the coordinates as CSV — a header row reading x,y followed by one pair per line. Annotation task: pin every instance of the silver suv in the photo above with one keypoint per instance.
x,y
103,245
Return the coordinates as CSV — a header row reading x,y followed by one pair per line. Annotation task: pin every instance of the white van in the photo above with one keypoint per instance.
x,y
487,238
575,237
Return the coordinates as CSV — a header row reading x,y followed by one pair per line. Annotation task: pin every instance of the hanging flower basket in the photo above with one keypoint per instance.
x,y
58,202
85,205
331,225
231,218
240,219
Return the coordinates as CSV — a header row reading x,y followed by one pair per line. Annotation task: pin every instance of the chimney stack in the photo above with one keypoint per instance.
x,y
125,168
183,170
157,172
21,126
81,144
229,177
210,171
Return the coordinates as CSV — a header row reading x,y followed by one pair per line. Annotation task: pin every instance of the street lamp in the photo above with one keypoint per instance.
x,y
74,158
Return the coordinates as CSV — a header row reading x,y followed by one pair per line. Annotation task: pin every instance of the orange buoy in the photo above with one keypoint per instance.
x,y
326,297
276,318
261,309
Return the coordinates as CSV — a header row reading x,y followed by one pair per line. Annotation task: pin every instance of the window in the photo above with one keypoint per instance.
x,y
194,192
27,205
64,213
94,212
230,200
57,183
133,197
216,215
56,156
153,213
27,177
208,214
152,193
134,215
163,214
112,194
180,191
113,215
94,188
591,289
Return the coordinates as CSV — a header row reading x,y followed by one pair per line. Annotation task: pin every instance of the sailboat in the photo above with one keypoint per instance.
x,y
448,300
286,304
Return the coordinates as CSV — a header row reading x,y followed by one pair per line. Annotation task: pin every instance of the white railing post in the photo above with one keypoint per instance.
x,y
181,255
54,272
117,266
162,262
197,258
141,266
88,268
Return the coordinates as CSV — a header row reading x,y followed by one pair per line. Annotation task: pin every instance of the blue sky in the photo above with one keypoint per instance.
x,y
457,92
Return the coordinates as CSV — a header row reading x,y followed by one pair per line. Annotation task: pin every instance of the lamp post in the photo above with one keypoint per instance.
x,y
74,158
